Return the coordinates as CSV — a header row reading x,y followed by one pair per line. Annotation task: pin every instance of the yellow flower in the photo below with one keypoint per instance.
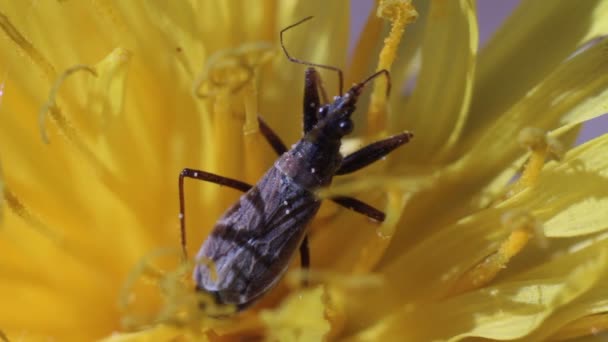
x,y
104,102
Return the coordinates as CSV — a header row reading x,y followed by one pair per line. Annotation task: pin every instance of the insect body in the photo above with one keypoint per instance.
x,y
252,244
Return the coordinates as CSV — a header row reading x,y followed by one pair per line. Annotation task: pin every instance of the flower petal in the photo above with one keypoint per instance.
x,y
449,51
556,97
524,305
530,44
572,196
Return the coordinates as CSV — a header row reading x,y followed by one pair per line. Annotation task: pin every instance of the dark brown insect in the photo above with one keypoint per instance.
x,y
252,244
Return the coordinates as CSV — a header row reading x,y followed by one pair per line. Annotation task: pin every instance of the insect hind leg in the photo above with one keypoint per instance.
x,y
360,207
207,177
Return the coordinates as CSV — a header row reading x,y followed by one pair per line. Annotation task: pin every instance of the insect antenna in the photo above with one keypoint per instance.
x,y
376,74
299,61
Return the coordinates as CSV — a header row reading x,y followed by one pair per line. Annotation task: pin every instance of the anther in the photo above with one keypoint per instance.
x,y
541,146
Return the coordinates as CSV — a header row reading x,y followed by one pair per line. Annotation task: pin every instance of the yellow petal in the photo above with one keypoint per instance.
x,y
557,96
438,107
528,47
524,305
591,302
571,196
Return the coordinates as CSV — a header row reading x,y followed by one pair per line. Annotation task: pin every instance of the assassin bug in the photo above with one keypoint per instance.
x,y
253,242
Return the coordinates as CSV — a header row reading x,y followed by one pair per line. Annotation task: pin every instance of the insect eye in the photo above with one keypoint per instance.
x,y
345,127
322,112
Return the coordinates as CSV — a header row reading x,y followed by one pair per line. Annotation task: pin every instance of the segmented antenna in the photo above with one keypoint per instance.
x,y
299,61
376,74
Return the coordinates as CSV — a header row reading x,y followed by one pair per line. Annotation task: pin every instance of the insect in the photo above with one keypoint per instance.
x,y
253,242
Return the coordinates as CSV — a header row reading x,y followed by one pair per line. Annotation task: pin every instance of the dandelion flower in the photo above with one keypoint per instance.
x,y
496,227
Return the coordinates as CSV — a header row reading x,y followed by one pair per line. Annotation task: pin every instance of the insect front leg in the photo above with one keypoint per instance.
x,y
207,177
362,158
372,152
271,137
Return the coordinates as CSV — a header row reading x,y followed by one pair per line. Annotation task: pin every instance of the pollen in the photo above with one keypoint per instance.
x,y
400,13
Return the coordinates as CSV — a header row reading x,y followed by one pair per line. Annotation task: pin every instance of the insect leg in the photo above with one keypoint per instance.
x,y
305,258
273,139
207,177
360,207
311,98
372,152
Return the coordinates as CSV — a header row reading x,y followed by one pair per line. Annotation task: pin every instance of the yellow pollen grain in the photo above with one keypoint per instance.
x,y
400,13
27,48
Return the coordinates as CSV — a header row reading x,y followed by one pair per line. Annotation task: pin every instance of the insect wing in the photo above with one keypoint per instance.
x,y
252,244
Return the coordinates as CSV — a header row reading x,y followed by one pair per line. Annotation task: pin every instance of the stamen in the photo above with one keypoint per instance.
x,y
181,305
26,215
540,147
257,159
106,96
523,227
231,69
27,48
400,13
51,106
67,129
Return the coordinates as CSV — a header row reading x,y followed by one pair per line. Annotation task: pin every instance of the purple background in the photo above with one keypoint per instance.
x,y
491,14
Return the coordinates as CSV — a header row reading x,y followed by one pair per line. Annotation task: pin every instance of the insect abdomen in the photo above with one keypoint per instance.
x,y
254,241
